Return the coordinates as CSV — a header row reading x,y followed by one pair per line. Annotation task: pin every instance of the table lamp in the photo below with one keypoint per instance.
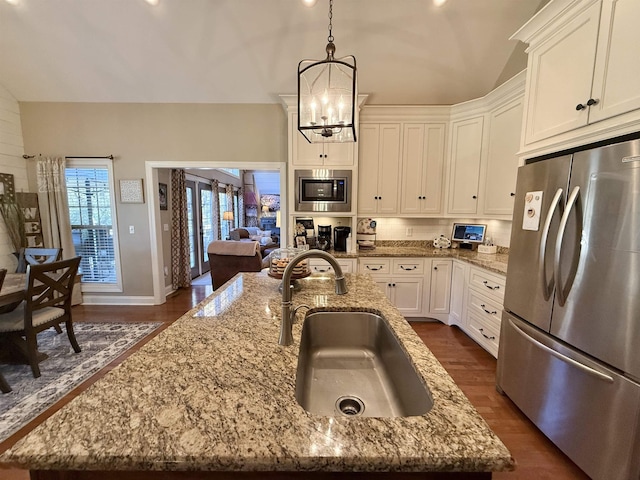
x,y
228,216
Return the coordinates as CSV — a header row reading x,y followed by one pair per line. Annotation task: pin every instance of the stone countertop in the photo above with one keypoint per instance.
x,y
496,263
215,391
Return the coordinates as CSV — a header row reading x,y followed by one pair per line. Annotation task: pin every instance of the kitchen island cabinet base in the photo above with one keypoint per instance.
x,y
164,475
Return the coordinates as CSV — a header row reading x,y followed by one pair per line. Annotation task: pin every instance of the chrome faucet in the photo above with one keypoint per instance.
x,y
288,316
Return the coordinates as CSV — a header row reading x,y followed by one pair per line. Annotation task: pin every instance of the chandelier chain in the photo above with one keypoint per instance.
x,y
330,38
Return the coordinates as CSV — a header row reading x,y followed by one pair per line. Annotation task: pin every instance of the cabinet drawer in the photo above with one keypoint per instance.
x,y
317,265
486,333
408,266
489,284
375,266
484,307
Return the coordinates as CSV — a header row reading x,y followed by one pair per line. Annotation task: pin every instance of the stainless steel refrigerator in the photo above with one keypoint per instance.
x,y
569,354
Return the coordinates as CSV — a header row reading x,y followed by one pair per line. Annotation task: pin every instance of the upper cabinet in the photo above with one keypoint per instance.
x,y
422,171
483,153
501,165
464,165
582,70
379,164
307,154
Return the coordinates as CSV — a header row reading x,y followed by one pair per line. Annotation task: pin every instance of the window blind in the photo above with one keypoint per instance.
x,y
89,197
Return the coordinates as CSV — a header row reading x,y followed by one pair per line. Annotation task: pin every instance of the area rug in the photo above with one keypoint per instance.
x,y
63,370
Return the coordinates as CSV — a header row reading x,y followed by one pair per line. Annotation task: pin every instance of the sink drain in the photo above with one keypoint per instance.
x,y
350,406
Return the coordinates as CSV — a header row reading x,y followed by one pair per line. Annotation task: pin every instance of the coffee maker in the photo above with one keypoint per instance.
x,y
340,236
324,237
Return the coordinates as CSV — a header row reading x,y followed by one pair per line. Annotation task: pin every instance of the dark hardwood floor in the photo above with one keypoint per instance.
x,y
471,367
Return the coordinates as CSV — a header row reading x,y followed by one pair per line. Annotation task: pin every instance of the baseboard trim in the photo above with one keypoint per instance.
x,y
168,290
88,299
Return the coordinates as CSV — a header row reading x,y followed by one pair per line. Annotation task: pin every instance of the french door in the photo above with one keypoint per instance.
x,y
200,220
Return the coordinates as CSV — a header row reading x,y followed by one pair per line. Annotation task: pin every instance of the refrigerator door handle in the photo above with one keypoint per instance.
x,y
561,230
560,356
542,270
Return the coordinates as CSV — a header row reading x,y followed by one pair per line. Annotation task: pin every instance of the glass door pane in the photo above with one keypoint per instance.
x,y
193,228
206,224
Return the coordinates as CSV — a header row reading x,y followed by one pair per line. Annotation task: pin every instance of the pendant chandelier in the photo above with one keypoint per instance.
x,y
327,92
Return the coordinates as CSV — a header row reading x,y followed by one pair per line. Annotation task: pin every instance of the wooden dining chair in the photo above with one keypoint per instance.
x,y
47,303
33,255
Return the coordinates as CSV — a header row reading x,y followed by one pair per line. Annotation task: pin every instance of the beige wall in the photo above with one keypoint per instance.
x,y
135,133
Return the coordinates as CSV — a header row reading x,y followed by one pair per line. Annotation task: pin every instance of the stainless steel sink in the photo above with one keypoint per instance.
x,y
350,363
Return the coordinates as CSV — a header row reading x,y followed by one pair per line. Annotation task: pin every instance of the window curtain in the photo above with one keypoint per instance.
x,y
229,192
54,205
241,220
215,187
180,251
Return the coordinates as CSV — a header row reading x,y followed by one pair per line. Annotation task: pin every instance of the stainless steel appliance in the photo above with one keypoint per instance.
x,y
323,190
324,237
570,338
340,237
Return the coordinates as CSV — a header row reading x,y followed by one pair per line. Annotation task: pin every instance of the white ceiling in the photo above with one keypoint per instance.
x,y
247,51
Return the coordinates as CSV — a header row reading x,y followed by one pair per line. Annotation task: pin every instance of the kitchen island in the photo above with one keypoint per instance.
x,y
214,393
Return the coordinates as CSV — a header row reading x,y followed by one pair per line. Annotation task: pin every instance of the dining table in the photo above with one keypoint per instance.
x,y
12,291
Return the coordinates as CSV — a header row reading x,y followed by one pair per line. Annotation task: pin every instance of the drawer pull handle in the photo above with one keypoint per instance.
x,y
408,269
486,336
322,270
486,284
375,269
484,307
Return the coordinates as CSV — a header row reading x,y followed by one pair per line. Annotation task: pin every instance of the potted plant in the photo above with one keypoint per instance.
x,y
13,217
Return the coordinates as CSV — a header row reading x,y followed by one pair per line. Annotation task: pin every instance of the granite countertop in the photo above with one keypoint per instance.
x,y
215,391
496,263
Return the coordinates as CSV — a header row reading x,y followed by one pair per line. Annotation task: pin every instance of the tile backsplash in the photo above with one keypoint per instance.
x,y
499,231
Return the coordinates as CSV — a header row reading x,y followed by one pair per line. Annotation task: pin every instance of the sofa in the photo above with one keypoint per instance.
x,y
268,242
227,258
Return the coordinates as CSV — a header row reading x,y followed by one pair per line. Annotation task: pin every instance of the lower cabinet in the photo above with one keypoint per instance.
x,y
459,279
401,279
418,287
482,308
440,288
318,265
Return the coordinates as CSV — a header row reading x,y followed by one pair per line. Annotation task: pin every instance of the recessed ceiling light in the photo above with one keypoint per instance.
x,y
153,2
439,3
13,2
309,3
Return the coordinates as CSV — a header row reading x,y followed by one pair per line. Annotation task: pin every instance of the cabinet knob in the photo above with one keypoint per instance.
x,y
580,106
474,197
393,284
591,102
435,268
512,194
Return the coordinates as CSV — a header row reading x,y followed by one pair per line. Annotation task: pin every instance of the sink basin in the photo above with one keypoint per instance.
x,y
350,363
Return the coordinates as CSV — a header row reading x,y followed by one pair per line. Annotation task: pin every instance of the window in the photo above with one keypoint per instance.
x,y
232,171
91,200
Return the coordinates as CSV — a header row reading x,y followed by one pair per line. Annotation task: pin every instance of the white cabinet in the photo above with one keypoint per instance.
x,y
583,65
501,163
318,265
319,154
379,166
440,289
401,279
459,275
466,155
483,308
422,168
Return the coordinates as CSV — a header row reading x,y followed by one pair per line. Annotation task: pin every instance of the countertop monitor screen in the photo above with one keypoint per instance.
x,y
466,233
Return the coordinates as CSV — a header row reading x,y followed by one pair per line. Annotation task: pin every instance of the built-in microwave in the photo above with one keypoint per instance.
x,y
322,190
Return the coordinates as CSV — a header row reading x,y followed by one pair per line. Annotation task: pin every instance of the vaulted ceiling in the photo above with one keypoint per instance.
x,y
247,51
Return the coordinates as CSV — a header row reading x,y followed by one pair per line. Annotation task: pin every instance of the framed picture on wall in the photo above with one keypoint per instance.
x,y
7,189
131,191
162,196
